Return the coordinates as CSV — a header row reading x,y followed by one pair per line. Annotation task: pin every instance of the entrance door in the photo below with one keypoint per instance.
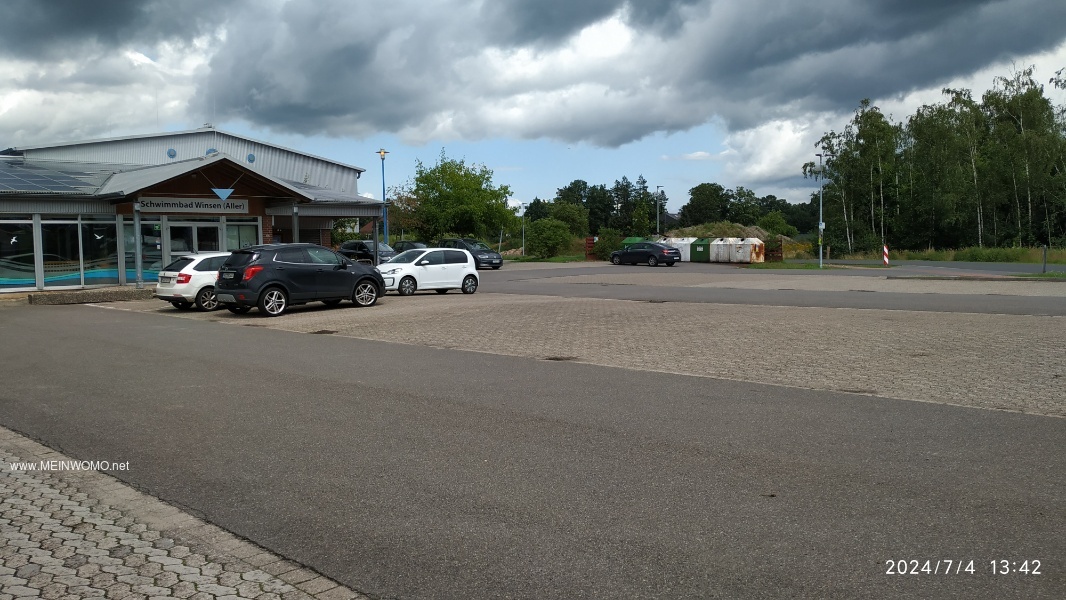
x,y
185,239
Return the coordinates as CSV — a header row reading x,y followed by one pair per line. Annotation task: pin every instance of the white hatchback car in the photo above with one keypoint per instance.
x,y
439,269
190,279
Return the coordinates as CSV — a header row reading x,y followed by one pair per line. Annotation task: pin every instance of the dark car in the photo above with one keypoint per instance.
x,y
273,277
651,253
483,255
363,251
405,245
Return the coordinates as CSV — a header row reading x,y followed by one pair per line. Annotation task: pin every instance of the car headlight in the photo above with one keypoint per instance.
x,y
482,255
391,271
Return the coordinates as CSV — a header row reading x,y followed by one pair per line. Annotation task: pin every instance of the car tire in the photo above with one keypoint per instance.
x,y
496,268
238,309
182,305
469,284
615,260
333,302
652,261
669,264
407,286
365,294
444,291
273,301
206,299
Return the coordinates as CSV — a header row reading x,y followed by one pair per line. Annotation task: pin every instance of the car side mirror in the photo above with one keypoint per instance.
x,y
423,263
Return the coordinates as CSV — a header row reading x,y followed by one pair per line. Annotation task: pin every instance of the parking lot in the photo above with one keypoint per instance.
x,y
992,361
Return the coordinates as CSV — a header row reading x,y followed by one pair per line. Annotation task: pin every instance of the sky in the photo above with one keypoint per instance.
x,y
542,92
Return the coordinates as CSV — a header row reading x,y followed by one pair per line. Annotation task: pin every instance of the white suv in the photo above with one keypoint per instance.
x,y
190,280
439,269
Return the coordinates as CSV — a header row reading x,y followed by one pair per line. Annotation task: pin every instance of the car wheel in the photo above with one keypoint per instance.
x,y
407,286
444,291
669,264
182,305
238,309
652,261
207,300
331,302
365,294
273,302
615,260
469,284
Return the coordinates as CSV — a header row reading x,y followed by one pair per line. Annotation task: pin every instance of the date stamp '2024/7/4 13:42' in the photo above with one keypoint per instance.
x,y
945,566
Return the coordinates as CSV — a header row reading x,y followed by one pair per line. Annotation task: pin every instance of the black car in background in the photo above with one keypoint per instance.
x,y
363,251
484,256
651,253
273,277
405,245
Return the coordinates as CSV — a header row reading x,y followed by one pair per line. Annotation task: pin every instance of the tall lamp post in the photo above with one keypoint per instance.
x,y
658,199
384,200
524,206
821,223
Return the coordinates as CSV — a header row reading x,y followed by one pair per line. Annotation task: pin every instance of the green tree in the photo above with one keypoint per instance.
x,y
601,208
575,216
775,224
708,202
576,192
537,210
743,206
547,237
453,197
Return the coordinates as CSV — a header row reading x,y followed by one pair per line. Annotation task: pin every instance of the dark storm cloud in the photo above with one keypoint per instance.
x,y
338,68
62,29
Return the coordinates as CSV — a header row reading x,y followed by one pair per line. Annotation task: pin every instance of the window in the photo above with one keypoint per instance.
x,y
210,264
292,255
435,258
455,257
323,256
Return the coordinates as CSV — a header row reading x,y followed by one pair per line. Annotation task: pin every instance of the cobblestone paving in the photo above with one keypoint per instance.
x,y
82,534
1007,362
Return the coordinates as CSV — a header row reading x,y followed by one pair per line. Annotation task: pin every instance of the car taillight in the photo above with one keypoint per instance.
x,y
251,271
666,251
184,278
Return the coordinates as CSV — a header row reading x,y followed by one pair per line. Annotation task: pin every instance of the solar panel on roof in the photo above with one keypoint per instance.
x,y
21,186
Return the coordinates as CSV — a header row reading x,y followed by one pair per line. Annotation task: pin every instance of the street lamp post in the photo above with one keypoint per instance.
x,y
384,200
524,206
821,223
658,198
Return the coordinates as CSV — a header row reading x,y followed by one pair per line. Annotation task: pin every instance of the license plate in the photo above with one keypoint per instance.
x,y
165,280
227,276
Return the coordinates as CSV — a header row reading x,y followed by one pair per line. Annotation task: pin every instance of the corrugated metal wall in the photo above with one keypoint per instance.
x,y
49,206
270,160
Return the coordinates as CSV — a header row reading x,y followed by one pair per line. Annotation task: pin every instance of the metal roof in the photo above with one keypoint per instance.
x,y
118,181
18,150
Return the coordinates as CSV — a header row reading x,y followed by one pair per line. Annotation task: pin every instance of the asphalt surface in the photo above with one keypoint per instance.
x,y
412,472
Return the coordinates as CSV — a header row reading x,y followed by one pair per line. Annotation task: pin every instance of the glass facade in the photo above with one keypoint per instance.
x,y
16,255
56,251
62,254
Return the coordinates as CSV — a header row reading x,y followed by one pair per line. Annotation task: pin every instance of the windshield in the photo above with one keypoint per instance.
x,y
476,245
178,264
407,257
384,247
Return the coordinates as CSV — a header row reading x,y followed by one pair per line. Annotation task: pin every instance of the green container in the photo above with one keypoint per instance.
x,y
701,250
629,241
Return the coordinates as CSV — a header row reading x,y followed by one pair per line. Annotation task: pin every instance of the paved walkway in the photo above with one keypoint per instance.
x,y
71,534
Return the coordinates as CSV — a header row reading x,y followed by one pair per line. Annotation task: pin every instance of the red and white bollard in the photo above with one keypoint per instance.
x,y
886,255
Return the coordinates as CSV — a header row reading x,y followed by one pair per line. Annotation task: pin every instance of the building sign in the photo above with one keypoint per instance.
x,y
194,205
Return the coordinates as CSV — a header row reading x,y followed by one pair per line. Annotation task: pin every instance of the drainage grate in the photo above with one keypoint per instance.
x,y
560,358
323,332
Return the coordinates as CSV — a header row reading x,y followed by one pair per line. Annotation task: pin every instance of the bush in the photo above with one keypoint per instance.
x,y
547,237
1008,255
607,242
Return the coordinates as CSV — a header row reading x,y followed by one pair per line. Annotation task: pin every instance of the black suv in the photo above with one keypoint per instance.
x,y
483,255
363,251
273,277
